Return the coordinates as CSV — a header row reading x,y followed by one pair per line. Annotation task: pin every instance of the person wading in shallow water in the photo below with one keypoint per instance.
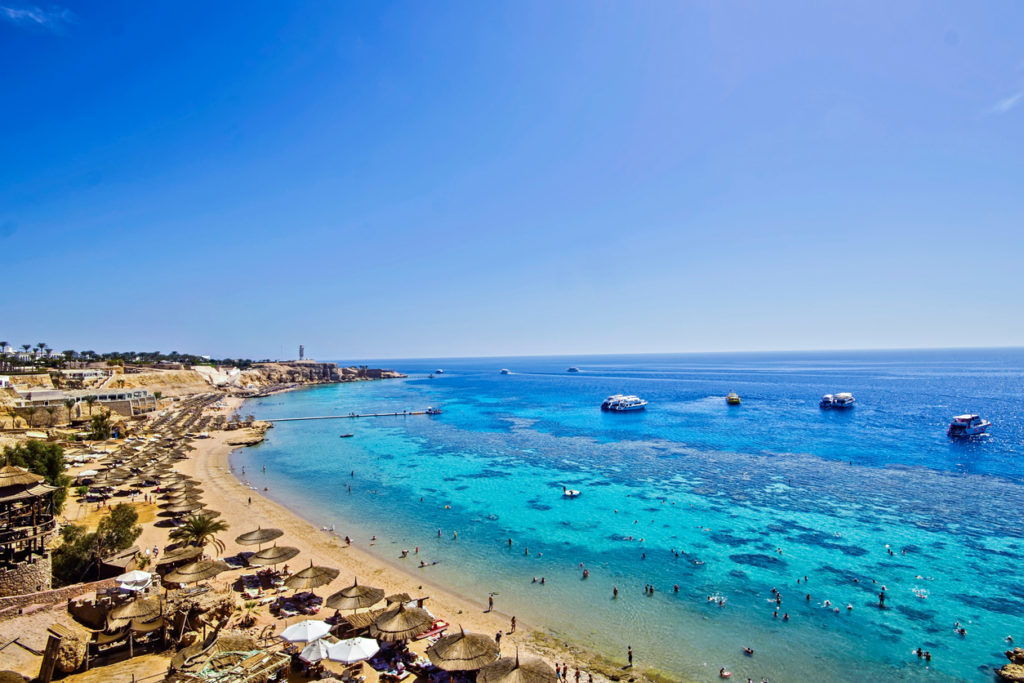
x,y
629,654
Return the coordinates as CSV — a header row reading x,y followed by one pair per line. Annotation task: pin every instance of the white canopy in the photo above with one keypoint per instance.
x,y
315,651
134,580
305,631
353,650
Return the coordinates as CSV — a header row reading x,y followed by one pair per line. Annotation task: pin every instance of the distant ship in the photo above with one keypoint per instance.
x,y
621,403
506,371
347,436
733,398
433,411
840,401
574,369
967,425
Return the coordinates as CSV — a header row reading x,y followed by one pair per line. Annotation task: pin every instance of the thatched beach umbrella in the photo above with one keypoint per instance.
x,y
510,670
187,552
355,597
259,536
183,508
196,571
400,623
463,651
143,609
311,577
275,554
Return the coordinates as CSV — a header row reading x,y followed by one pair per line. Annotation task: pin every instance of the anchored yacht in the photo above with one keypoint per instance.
x,y
967,425
840,401
622,403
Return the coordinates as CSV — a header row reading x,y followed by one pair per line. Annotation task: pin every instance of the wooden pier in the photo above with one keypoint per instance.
x,y
348,417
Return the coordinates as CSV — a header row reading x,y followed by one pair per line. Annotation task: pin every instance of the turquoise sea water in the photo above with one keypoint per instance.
x,y
725,487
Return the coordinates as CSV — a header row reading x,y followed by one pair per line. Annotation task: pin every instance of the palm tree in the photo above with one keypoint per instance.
x,y
90,400
199,530
70,404
26,347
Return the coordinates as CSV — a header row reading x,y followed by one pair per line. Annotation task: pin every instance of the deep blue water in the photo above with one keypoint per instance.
x,y
727,488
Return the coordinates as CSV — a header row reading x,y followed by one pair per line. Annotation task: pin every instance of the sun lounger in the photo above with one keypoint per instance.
x,y
436,629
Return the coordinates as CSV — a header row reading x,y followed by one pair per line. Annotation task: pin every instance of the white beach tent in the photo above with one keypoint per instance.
x,y
352,650
305,631
134,580
315,651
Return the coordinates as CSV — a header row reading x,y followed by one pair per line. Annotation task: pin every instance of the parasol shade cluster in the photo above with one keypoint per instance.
x,y
275,554
311,577
196,571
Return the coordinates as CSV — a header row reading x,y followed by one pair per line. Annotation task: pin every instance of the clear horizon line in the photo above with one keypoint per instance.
x,y
689,353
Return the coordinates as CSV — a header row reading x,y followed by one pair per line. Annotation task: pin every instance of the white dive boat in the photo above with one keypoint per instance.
x,y
506,371
622,403
843,400
573,369
967,425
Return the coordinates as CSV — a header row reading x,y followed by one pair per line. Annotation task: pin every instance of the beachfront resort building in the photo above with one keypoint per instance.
x,y
26,523
126,402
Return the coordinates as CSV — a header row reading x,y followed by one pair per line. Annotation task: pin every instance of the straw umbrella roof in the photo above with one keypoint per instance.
x,y
183,508
355,596
311,577
509,670
178,554
258,536
17,476
196,571
463,651
400,623
275,554
140,608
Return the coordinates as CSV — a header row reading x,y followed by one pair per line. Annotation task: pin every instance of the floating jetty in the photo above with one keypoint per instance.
x,y
348,417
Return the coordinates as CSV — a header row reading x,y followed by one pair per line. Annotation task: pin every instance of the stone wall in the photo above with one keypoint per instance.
x,y
11,606
28,577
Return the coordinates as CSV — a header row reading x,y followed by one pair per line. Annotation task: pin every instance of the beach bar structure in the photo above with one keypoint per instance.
x,y
26,523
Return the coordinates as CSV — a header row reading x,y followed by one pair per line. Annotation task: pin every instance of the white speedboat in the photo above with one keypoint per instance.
x,y
506,371
840,401
967,425
623,403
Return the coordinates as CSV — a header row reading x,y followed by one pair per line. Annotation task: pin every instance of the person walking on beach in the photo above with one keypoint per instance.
x,y
513,627
490,602
629,655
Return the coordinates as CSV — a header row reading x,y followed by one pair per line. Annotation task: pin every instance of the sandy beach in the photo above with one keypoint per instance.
x,y
244,509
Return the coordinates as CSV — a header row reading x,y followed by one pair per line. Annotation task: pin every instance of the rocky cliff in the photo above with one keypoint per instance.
x,y
308,372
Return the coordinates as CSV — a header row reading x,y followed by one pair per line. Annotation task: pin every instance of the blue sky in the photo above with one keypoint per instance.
x,y
476,178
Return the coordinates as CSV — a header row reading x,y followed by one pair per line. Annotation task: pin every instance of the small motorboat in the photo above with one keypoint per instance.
x,y
439,371
433,411
733,398
967,425
346,436
570,493
506,371
573,369
431,375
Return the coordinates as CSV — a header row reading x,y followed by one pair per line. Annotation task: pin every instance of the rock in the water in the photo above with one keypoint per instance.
x,y
1014,671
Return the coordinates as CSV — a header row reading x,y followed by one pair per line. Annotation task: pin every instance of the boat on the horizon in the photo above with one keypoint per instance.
x,y
433,411
506,371
967,425
573,369
346,436
840,401
622,403
439,371
733,398
431,375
